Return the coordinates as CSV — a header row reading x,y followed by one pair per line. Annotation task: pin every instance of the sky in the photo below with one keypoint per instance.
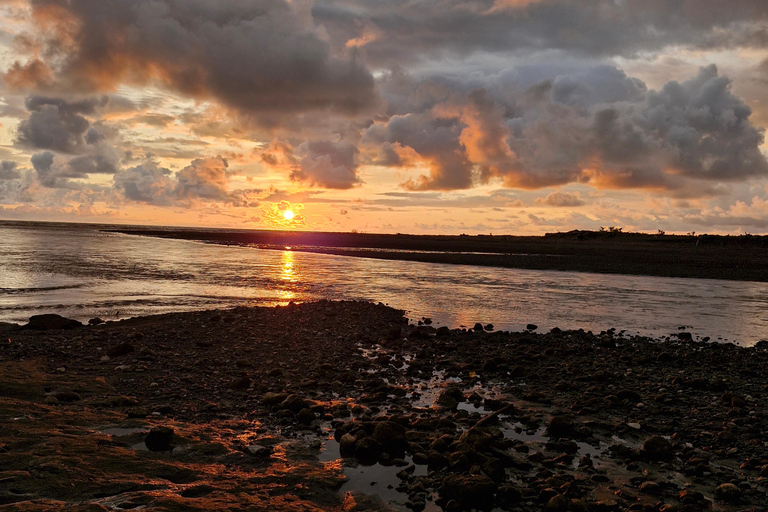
x,y
398,116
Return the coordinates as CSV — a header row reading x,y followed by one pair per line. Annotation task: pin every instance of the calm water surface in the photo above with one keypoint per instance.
x,y
81,272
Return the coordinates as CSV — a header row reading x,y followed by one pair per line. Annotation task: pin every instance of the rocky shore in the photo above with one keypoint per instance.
x,y
302,407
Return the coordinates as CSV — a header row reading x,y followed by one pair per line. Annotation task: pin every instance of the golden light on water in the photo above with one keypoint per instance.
x,y
288,214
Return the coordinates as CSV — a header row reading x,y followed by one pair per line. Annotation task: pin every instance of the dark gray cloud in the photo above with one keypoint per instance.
x,y
9,171
57,124
255,55
327,164
398,32
599,126
146,183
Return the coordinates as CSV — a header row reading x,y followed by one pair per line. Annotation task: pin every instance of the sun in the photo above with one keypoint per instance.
x,y
288,214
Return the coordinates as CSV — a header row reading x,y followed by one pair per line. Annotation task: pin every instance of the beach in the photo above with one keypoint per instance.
x,y
297,407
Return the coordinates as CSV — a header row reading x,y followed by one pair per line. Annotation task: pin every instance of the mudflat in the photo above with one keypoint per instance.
x,y
282,408
743,258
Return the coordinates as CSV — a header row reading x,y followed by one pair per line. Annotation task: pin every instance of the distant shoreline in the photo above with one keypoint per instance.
x,y
736,258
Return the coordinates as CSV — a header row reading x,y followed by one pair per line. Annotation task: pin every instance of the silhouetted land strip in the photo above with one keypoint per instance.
x,y
742,258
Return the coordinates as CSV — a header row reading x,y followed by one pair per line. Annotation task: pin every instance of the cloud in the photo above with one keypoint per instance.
x,y
57,124
327,164
204,179
560,199
599,127
9,171
257,56
411,32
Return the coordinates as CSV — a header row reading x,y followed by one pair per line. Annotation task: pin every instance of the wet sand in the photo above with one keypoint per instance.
x,y
301,407
741,258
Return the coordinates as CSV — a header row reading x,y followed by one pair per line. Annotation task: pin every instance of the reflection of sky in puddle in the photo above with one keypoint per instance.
x,y
374,479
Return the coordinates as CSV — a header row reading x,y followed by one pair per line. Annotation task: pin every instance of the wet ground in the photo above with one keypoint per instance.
x,y
315,406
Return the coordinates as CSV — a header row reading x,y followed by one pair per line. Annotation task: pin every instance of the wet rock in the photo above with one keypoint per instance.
x,y
259,451
270,398
51,322
305,416
557,503
629,395
479,327
728,493
657,448
443,332
391,436
294,403
471,491
356,501
240,384
159,439
561,426
531,327
509,494
650,487
66,396
95,321
347,445
197,491
120,350
367,450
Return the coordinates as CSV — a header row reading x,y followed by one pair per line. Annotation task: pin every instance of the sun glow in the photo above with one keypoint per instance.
x,y
288,214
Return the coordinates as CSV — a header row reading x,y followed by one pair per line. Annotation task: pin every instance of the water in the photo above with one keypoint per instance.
x,y
81,272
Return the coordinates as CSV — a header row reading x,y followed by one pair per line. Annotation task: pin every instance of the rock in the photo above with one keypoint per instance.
x,y
197,491
443,332
95,321
294,403
728,493
561,426
557,503
120,350
305,416
241,383
50,322
489,327
471,491
650,487
159,439
367,450
66,396
629,395
510,494
347,445
391,436
478,327
51,400
764,471
657,448
259,451
270,398
531,327
356,501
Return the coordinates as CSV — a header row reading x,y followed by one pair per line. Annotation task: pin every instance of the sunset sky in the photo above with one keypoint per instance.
x,y
418,116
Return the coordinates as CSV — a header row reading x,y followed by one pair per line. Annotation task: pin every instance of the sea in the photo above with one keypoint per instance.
x,y
84,271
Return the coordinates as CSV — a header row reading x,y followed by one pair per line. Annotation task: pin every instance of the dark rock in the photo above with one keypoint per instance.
x,y
347,445
478,327
270,398
629,395
391,436
531,327
95,321
443,332
259,451
489,327
241,383
197,491
650,487
510,494
66,396
728,493
51,322
657,448
294,403
120,350
305,416
159,439
367,450
557,503
561,426
471,491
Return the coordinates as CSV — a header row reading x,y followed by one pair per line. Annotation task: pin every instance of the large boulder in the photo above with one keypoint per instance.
x,y
391,437
51,322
